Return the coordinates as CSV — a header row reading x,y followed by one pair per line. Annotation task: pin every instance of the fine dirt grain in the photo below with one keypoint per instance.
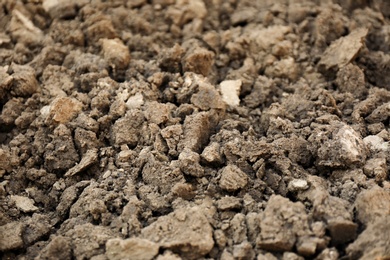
x,y
194,129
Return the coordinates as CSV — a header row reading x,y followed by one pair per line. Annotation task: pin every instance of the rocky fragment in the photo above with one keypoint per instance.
x,y
63,109
230,90
329,25
185,11
158,113
232,178
61,154
115,53
5,82
60,8
196,132
59,247
376,168
168,255
23,29
281,223
185,231
5,164
338,216
264,38
298,185
11,237
328,254
126,130
24,83
372,204
13,232
23,203
88,240
58,26
135,102
189,163
172,135
284,68
373,242
380,114
85,140
99,27
228,203
376,144
162,176
207,97
36,227
131,248
198,60
212,153
343,51
350,78
11,111
89,158
345,149
184,190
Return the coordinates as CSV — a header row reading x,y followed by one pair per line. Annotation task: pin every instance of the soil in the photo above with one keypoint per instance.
x,y
193,129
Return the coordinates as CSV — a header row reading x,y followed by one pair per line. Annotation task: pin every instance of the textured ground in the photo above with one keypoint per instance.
x,y
194,129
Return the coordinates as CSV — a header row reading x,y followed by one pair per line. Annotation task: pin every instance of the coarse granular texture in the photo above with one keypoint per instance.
x,y
194,129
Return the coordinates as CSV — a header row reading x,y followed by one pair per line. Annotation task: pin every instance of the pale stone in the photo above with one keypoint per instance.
x,y
298,184
64,109
23,203
135,101
230,90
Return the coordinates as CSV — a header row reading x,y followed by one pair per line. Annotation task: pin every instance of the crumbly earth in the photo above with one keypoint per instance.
x,y
194,129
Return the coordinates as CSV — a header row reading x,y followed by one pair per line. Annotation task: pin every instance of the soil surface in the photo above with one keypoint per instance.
x,y
194,129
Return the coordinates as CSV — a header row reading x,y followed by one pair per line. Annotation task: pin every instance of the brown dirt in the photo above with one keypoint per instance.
x,y
193,129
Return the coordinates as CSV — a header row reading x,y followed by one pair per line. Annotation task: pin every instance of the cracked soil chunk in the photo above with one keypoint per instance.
x,y
345,148
232,178
132,248
343,51
186,231
11,237
281,223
